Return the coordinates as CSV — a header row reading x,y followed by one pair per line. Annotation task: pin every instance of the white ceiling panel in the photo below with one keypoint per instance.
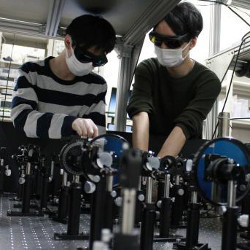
x,y
48,17
25,10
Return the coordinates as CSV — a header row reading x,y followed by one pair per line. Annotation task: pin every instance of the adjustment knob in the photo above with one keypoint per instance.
x,y
21,180
95,178
89,187
153,163
106,235
118,201
180,192
99,245
243,220
189,165
222,210
158,204
113,194
8,172
141,197
104,159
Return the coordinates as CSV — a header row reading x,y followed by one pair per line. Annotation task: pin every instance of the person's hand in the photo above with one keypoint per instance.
x,y
85,127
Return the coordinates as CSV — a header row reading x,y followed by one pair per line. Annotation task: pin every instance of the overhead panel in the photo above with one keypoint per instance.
x,y
121,13
34,11
54,17
26,16
245,4
17,26
27,41
130,18
239,52
129,48
153,13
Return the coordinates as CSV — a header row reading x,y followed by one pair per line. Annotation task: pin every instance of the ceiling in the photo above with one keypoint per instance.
x,y
130,18
25,40
241,3
240,51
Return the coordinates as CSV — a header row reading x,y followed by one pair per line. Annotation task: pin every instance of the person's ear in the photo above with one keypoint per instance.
x,y
67,41
193,42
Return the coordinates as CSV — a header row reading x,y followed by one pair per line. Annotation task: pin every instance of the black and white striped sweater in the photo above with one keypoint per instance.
x,y
45,106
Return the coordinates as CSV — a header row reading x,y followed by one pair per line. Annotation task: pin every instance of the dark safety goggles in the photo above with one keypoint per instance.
x,y
86,57
172,42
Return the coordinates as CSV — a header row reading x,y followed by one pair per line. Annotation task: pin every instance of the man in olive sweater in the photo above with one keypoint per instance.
x,y
172,94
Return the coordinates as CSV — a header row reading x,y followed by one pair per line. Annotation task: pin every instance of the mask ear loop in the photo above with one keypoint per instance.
x,y
71,48
186,45
70,41
188,50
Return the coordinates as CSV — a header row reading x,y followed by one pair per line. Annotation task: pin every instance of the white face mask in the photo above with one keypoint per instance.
x,y
170,57
76,67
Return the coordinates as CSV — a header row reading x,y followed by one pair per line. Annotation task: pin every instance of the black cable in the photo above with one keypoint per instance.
x,y
241,10
210,3
217,2
243,39
217,124
236,60
231,80
238,15
215,129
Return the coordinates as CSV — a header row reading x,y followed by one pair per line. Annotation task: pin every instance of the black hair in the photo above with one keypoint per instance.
x,y
90,30
185,18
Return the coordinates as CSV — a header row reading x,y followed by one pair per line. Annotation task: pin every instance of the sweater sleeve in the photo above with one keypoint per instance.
x,y
190,120
25,115
141,97
96,112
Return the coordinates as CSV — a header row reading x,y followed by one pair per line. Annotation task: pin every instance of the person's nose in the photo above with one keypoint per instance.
x,y
163,46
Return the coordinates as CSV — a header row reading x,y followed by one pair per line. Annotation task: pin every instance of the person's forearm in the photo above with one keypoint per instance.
x,y
174,143
140,137
37,124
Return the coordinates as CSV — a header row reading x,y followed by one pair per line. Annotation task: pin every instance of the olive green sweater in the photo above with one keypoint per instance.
x,y
170,102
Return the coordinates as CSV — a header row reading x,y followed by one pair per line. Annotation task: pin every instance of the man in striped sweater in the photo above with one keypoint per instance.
x,y
61,96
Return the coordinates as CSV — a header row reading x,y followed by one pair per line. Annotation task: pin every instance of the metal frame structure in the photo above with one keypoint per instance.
x,y
131,20
129,51
221,61
54,16
241,3
214,47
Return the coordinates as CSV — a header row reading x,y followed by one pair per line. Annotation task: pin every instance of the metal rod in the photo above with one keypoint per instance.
x,y
28,168
229,229
177,180
74,209
52,169
109,183
224,124
167,186
128,212
149,190
76,179
193,197
139,183
231,193
64,179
